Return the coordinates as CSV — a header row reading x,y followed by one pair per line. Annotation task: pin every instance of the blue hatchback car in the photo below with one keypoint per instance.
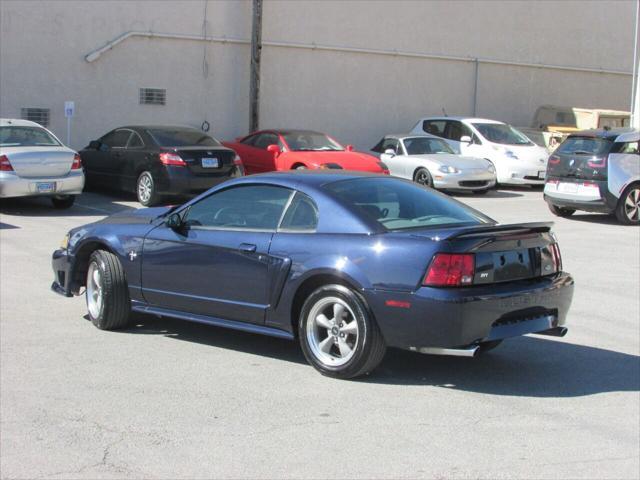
x,y
347,263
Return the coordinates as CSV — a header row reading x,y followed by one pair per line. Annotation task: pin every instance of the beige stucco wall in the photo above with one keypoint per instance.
x,y
355,96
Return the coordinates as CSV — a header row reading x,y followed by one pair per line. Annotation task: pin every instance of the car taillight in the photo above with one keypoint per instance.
x,y
450,270
237,162
556,257
554,160
77,162
168,158
5,164
385,169
597,162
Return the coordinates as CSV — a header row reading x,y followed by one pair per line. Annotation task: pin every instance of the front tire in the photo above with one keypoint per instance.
x,y
338,334
107,292
63,202
146,190
559,211
423,177
628,208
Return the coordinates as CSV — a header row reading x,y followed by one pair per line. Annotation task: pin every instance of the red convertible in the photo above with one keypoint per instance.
x,y
269,150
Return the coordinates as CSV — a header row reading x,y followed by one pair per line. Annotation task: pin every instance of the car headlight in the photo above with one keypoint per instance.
x,y
65,242
490,167
448,169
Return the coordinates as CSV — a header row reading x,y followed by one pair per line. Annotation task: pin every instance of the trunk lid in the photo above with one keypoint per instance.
x,y
211,161
39,162
580,158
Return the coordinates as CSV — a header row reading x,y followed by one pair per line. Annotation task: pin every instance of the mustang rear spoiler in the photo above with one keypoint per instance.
x,y
495,230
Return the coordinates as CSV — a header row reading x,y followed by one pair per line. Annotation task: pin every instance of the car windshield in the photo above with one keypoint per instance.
x,y
426,146
14,136
503,134
400,205
309,141
182,137
584,146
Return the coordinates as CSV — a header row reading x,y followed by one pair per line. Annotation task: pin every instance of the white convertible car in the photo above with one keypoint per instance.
x,y
430,161
34,162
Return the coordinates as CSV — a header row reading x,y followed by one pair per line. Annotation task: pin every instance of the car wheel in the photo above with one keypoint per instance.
x,y
300,167
63,201
488,346
146,190
338,334
628,208
107,292
559,211
423,177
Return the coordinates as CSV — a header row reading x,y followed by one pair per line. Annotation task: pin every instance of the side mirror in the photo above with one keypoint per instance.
x,y
465,139
174,222
275,149
95,144
390,151
349,148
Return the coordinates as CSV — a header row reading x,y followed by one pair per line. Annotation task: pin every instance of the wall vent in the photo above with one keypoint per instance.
x,y
38,115
153,96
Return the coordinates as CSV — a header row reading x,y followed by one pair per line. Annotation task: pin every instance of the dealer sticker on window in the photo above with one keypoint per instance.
x,y
210,163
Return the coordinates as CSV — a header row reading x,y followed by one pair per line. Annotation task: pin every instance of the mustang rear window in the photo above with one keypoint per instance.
x,y
399,205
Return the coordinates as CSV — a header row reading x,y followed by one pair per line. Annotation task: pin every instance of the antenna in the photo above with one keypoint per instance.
x,y
444,112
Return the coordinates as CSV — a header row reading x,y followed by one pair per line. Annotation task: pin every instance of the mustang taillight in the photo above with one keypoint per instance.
x,y
77,162
168,158
556,257
450,270
5,164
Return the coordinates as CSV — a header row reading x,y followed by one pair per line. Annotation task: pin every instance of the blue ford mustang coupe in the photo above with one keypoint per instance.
x,y
347,263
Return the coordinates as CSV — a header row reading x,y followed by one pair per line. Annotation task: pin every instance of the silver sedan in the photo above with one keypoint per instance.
x,y
430,161
33,162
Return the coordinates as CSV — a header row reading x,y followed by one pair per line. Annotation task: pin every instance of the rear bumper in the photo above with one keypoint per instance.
x,y
457,317
181,181
12,185
596,200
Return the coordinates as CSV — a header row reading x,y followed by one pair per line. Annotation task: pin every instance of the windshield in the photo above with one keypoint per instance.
x,y
501,133
15,136
426,146
584,146
182,137
308,141
399,205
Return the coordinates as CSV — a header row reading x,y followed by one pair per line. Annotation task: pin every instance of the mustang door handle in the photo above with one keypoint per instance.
x,y
247,247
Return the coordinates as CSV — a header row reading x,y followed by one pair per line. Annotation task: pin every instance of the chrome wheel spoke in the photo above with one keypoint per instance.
x,y
326,344
323,321
350,328
338,311
343,346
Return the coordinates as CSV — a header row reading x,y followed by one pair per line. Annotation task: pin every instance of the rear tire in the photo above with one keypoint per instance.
x,y
146,190
628,208
63,201
338,334
559,211
107,292
423,177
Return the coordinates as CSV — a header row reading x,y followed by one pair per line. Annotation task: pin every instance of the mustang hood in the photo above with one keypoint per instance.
x,y
139,216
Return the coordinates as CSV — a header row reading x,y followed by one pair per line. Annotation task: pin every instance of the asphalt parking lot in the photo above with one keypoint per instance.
x,y
167,399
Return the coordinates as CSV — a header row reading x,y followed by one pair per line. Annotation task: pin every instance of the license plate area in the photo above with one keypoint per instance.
x,y
512,265
568,187
210,162
45,187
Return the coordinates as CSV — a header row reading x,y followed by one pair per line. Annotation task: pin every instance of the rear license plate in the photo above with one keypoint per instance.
x,y
47,187
568,187
210,163
541,175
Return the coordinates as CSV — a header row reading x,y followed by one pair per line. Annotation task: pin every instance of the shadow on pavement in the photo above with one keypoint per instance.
x,y
86,205
526,366
595,218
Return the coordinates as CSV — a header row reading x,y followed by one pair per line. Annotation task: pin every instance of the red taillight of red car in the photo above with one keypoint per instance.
x,y
597,162
77,162
450,270
5,164
168,158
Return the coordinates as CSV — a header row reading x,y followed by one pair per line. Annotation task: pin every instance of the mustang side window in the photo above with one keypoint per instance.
x,y
301,216
246,207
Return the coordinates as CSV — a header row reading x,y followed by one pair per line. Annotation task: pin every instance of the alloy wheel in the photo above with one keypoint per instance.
x,y
145,188
94,290
632,205
332,331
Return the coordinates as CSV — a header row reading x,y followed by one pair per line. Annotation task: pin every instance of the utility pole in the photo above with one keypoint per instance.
x,y
256,50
